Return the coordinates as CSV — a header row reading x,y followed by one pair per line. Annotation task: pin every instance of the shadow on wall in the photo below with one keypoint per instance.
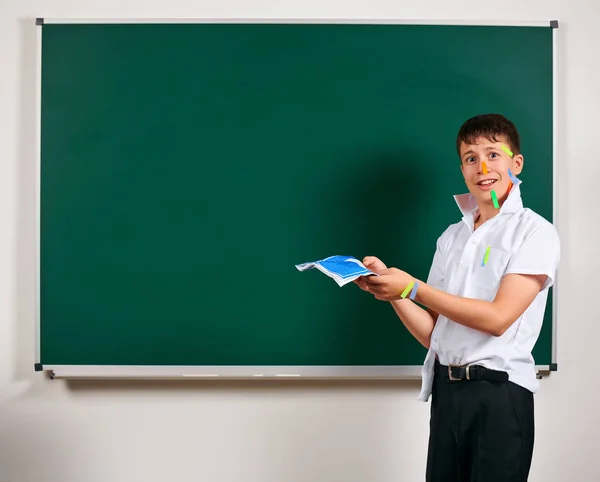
x,y
260,387
25,319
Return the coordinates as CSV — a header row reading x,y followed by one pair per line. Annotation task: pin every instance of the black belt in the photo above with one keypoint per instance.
x,y
469,372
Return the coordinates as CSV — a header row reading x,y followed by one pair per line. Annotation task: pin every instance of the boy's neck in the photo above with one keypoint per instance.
x,y
485,214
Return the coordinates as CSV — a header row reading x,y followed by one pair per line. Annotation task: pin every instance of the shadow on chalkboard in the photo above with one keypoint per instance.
x,y
385,214
384,204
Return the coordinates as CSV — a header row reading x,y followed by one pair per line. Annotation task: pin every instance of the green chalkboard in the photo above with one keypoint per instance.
x,y
186,168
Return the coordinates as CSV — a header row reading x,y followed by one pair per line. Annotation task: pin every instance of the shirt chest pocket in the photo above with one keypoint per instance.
x,y
489,268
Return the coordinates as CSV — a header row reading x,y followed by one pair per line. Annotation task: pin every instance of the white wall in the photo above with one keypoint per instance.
x,y
52,431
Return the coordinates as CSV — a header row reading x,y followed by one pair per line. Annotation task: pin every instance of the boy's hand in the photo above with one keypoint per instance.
x,y
375,265
389,285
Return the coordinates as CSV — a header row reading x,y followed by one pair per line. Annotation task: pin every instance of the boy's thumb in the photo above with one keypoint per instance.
x,y
368,260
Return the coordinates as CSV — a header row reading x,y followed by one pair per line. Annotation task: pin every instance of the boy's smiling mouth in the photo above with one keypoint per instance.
x,y
486,184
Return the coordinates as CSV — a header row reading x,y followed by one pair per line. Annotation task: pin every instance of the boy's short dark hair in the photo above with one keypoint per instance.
x,y
490,126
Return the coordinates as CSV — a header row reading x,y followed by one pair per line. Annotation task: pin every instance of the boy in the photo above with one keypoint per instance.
x,y
485,298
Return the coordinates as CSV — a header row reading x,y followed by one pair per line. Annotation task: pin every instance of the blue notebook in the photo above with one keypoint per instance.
x,y
343,269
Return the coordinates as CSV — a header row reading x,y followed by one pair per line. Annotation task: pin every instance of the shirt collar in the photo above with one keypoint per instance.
x,y
468,205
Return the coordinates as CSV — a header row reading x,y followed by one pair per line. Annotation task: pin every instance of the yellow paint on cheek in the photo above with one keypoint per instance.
x,y
507,150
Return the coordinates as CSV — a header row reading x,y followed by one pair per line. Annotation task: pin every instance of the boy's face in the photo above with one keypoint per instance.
x,y
497,162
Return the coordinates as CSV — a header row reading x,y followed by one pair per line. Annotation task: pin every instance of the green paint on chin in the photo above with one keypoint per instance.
x,y
495,200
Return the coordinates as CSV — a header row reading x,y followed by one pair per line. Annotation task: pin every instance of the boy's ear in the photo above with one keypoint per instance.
x,y
518,161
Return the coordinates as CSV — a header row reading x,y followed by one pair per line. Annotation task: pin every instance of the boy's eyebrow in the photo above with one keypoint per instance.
x,y
487,149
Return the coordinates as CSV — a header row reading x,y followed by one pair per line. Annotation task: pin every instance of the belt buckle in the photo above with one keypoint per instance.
x,y
467,367
450,365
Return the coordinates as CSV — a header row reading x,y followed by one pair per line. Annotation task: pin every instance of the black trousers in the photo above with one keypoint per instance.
x,y
480,431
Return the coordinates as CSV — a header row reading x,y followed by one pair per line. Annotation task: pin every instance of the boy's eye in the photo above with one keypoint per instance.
x,y
493,155
470,159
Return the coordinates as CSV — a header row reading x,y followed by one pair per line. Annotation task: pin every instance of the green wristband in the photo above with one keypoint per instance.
x,y
407,289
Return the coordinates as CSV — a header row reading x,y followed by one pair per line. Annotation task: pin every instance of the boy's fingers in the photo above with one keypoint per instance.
x,y
361,283
373,288
375,280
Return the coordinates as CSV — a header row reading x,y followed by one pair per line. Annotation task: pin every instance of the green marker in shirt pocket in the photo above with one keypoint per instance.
x,y
490,268
486,256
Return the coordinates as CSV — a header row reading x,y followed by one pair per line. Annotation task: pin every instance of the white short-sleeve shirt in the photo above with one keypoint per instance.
x,y
520,241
